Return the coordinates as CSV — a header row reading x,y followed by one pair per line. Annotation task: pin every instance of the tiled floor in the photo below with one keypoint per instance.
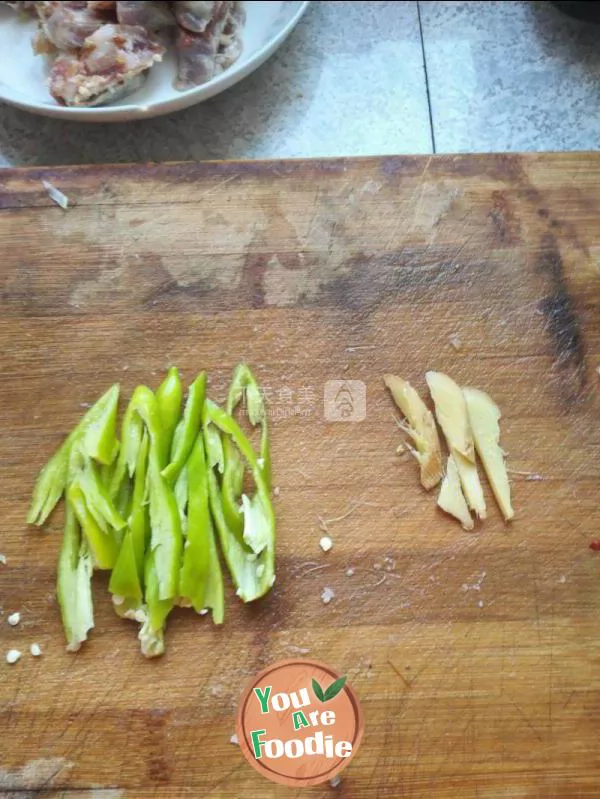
x,y
360,78
511,76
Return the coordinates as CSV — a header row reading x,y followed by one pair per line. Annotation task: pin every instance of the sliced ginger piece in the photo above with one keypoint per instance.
x,y
451,498
452,414
471,484
484,416
421,428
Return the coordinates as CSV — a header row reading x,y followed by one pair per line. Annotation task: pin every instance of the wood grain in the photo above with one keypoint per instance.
x,y
313,271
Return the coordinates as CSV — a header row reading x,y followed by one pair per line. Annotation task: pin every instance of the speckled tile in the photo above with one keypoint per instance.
x,y
349,81
511,76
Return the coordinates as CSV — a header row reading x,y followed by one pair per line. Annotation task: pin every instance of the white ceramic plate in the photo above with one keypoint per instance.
x,y
23,75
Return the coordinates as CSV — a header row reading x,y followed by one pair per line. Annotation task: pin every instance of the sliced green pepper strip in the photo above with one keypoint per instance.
x,y
187,429
166,541
244,382
124,581
100,433
231,486
74,584
151,634
124,498
138,521
168,396
243,385
97,498
253,576
52,480
181,498
50,485
230,427
146,405
127,578
214,446
201,579
251,562
103,547
131,437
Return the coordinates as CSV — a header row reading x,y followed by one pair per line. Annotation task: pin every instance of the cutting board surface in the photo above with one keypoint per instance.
x,y
476,656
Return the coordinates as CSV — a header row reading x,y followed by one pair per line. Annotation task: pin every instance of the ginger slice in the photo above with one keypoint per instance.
x,y
484,416
471,484
452,414
421,428
451,498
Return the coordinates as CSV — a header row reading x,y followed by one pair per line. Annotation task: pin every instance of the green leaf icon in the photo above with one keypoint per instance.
x,y
318,691
334,688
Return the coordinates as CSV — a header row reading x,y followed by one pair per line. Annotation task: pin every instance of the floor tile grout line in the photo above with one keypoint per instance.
x,y
426,77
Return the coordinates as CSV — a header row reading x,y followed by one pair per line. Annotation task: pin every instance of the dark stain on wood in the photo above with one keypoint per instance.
x,y
157,766
170,295
255,267
562,323
506,224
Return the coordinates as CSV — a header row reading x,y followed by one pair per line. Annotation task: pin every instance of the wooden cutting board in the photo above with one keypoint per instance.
x,y
476,657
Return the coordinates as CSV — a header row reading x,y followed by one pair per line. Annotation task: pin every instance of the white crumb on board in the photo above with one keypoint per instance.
x,y
33,774
35,650
56,195
325,543
476,585
14,619
234,740
335,781
3,560
298,650
349,572
12,656
327,595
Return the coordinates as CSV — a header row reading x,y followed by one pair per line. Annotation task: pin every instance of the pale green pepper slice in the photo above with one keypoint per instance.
x,y
95,435
127,578
102,546
73,586
187,429
146,405
251,560
97,498
243,388
201,579
168,396
131,437
99,433
165,538
180,489
151,634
